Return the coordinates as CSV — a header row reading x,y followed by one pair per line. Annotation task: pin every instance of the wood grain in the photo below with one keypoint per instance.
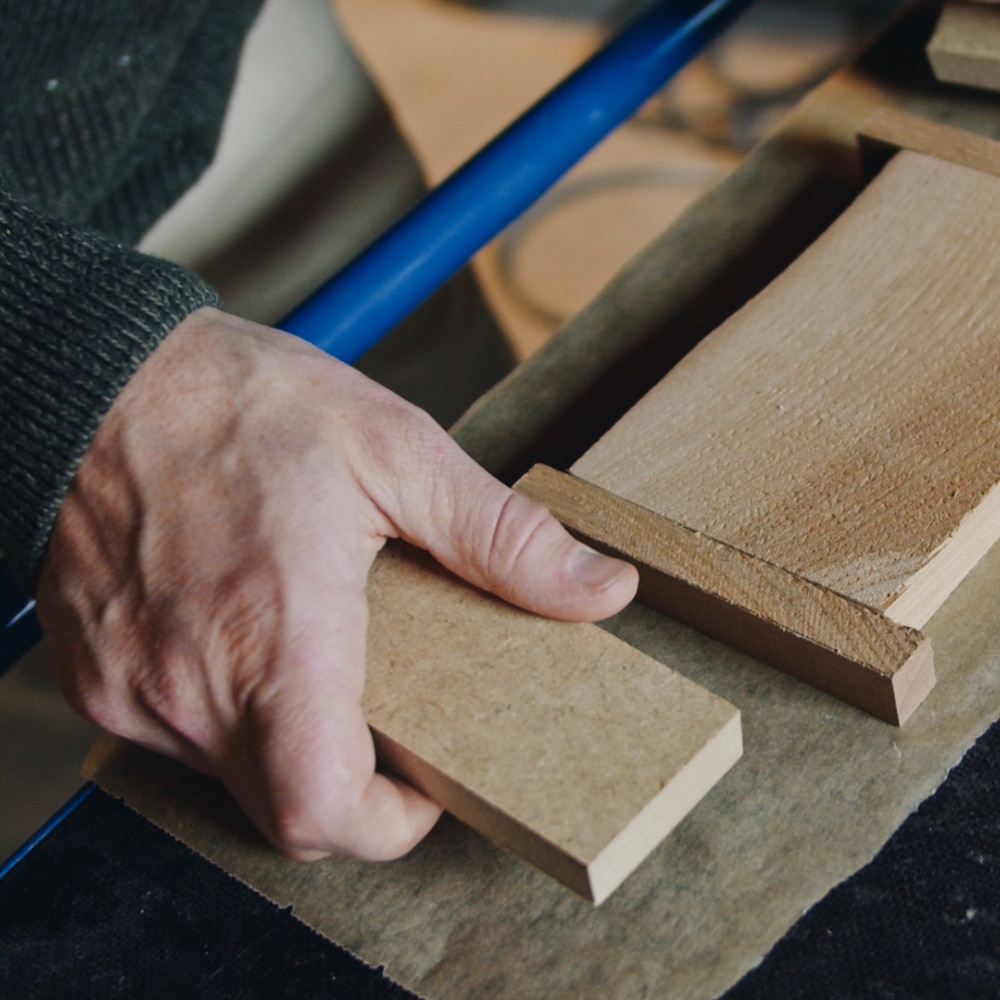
x,y
830,641
888,130
843,424
556,740
965,46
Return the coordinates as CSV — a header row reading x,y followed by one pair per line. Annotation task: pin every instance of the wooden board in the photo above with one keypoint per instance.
x,y
832,642
965,46
556,740
843,424
838,431
889,130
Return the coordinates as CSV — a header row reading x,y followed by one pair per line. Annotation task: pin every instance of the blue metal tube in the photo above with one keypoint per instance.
x,y
360,304
46,828
20,627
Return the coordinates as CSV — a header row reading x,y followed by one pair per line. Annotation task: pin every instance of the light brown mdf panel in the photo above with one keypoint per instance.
x,y
556,740
837,438
965,46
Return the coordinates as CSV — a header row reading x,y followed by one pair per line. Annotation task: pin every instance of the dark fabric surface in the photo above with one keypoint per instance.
x,y
921,921
109,906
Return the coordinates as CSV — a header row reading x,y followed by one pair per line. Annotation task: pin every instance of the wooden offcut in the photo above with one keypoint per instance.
x,y
830,641
556,740
965,46
836,438
889,130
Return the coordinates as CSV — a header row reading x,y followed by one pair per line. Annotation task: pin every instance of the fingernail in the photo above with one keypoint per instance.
x,y
595,570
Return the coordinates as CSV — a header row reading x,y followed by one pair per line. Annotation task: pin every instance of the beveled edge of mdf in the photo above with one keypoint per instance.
x,y
597,879
889,130
662,814
890,690
503,829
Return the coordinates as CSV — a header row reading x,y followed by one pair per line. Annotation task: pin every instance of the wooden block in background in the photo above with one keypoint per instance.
x,y
965,47
556,740
827,640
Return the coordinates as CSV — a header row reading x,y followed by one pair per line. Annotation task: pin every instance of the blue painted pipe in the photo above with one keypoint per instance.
x,y
419,253
46,828
360,304
21,629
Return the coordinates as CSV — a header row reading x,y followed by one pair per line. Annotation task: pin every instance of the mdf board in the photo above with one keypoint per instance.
x,y
965,47
842,426
556,740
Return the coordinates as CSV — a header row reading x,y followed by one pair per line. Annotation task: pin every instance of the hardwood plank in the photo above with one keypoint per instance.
x,y
842,425
556,740
965,46
829,641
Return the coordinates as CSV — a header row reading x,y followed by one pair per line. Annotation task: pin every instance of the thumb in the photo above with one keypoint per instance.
x,y
515,548
500,541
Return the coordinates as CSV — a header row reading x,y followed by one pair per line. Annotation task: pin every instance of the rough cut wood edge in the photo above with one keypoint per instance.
x,y
557,741
823,638
888,130
965,46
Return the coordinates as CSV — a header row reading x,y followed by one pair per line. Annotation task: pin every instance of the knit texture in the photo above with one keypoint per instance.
x,y
109,110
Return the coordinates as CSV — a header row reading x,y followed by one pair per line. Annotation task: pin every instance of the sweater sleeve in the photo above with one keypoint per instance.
x,y
79,313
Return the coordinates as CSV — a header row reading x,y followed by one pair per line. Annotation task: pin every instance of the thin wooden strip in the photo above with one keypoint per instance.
x,y
888,130
965,46
821,637
556,740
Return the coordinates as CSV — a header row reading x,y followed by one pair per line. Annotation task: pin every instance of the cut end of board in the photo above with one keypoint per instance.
x,y
913,682
678,797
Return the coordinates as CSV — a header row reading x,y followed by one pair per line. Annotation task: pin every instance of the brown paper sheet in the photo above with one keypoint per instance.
x,y
819,790
821,786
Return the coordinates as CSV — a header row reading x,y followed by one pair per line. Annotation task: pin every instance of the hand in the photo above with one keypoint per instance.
x,y
203,593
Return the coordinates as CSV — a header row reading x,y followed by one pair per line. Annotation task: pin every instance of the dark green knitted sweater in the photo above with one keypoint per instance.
x,y
109,110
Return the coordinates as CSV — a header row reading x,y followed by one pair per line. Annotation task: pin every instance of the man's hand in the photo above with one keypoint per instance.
x,y
204,590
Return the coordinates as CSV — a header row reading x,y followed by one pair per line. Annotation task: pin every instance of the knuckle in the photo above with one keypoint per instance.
x,y
91,700
306,826
517,525
295,831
